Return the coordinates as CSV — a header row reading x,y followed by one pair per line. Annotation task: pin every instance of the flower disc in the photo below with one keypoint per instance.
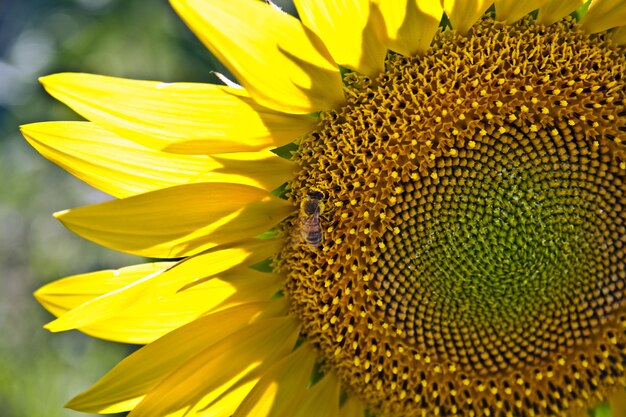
x,y
467,209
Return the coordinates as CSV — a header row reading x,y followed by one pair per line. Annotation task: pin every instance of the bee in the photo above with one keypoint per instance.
x,y
311,209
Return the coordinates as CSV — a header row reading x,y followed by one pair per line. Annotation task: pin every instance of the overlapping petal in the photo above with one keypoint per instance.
x,y
352,408
321,400
128,382
410,24
92,154
152,289
62,295
199,381
554,10
281,388
603,15
619,36
511,11
186,118
178,221
351,30
118,316
281,65
464,13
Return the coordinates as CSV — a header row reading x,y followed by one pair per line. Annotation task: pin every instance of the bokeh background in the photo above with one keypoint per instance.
x,y
144,39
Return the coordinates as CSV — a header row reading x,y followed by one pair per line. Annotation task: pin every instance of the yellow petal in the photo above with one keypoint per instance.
x,y
281,388
619,36
411,24
269,52
92,154
321,400
511,11
554,10
352,408
207,375
603,15
65,294
130,380
150,318
263,167
178,117
350,30
617,402
464,13
145,322
178,221
157,293
227,403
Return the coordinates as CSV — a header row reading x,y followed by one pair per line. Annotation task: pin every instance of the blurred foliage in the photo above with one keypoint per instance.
x,y
145,39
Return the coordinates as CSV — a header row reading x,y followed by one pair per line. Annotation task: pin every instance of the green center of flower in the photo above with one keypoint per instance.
x,y
460,243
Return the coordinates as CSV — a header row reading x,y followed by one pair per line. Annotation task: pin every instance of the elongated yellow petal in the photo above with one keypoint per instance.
x,y
321,400
603,15
263,167
177,117
146,321
227,403
149,318
511,11
130,380
65,294
619,36
411,24
352,408
464,13
350,30
617,402
269,52
210,373
158,291
554,10
281,388
92,154
178,221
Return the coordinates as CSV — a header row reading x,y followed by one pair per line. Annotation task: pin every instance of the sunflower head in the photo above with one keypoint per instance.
x,y
442,207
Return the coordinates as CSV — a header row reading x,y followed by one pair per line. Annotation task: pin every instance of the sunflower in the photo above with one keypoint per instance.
x,y
406,208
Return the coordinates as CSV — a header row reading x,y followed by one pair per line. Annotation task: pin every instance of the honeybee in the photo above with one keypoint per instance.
x,y
309,219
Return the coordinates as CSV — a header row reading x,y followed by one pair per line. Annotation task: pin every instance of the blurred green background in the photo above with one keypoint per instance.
x,y
145,39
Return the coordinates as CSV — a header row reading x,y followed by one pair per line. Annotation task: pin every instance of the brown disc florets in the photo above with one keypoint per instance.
x,y
471,257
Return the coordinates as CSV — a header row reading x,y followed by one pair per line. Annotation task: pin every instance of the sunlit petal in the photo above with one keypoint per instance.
x,y
207,375
178,221
269,52
92,154
128,382
603,15
176,117
411,24
350,30
464,13
62,295
158,291
321,400
511,11
554,10
280,390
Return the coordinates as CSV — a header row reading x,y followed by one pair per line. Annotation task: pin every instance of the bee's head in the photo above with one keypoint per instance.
x,y
310,206
316,195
